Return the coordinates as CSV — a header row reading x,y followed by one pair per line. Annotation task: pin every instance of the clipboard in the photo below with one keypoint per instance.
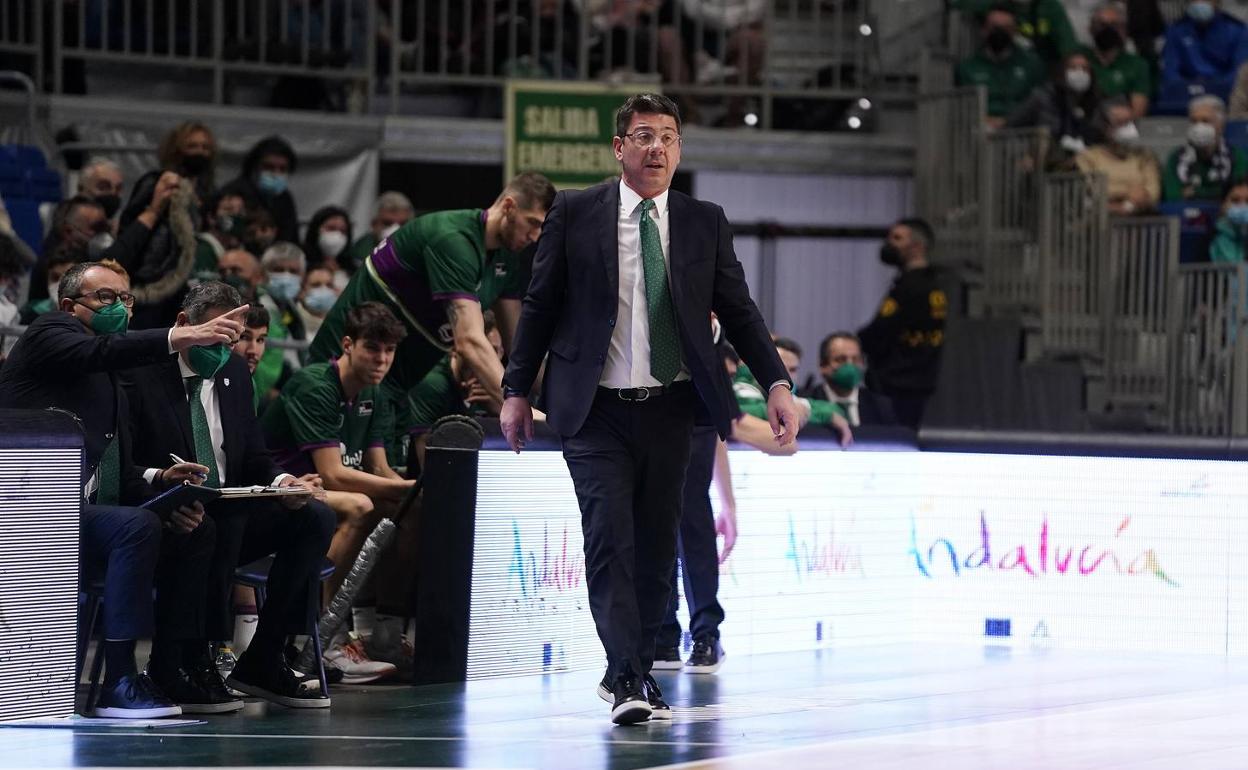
x,y
170,500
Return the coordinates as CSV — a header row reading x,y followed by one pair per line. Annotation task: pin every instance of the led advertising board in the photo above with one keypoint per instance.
x,y
853,548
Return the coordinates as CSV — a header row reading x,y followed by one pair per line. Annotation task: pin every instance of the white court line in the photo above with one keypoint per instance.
x,y
405,738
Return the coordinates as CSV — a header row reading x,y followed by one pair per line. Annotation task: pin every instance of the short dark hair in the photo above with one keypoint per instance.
x,y
530,190
824,359
921,228
209,295
649,104
374,321
71,282
257,317
785,343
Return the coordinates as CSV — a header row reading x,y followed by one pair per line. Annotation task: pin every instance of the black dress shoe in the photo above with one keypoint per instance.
x,y
185,688
667,659
277,682
134,696
707,656
630,705
654,696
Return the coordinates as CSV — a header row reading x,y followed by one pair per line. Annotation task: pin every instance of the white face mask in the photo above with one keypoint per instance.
x,y
53,288
332,242
1202,135
1127,135
1078,80
8,308
341,279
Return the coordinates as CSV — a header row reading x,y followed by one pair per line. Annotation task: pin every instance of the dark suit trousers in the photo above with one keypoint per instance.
x,y
123,545
628,467
182,583
299,539
698,548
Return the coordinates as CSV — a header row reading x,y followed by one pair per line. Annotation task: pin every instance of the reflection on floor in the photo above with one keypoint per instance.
x,y
908,706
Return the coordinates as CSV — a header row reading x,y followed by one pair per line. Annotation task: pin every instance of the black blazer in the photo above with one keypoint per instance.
x,y
571,304
59,363
873,408
160,417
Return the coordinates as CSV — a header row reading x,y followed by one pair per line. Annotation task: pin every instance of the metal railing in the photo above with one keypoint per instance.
x,y
365,49
1012,184
1143,267
1074,238
948,181
1209,366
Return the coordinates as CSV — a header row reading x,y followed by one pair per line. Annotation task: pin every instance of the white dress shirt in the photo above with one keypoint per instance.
x,y
628,358
212,410
848,403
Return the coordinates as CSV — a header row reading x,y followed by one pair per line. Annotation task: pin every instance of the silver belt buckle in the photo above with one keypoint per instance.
x,y
642,393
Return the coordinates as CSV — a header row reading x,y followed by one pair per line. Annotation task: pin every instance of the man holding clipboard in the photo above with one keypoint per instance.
x,y
68,360
199,405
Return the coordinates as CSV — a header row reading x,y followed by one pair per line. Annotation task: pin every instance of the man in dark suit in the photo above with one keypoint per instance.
x,y
199,404
68,360
840,381
632,367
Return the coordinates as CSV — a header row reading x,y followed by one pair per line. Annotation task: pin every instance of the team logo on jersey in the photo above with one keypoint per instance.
x,y
365,408
500,270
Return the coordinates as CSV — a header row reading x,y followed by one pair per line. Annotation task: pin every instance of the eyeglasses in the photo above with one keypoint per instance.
x,y
643,140
108,297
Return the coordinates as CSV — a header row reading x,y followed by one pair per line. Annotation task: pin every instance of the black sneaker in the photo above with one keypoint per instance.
x,y
185,689
277,682
630,705
707,656
667,659
134,696
205,675
604,690
654,696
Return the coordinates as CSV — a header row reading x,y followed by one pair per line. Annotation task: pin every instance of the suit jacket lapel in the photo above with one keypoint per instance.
x,y
679,243
608,235
175,389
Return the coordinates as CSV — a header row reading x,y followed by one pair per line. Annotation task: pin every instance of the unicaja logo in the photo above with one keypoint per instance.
x,y
550,570
1050,554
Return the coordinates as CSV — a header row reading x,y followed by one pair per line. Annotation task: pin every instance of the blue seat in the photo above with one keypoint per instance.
x,y
1196,221
255,575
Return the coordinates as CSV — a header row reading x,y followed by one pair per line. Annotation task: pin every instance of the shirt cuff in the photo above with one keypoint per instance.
x,y
150,475
778,383
169,339
279,478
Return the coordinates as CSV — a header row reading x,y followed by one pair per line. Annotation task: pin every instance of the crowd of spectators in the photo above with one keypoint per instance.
x,y
1091,100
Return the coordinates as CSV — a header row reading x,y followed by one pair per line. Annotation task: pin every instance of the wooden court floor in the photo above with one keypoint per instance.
x,y
906,706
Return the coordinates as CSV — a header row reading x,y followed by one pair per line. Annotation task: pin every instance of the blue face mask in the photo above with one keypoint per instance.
x,y
1238,214
1201,11
272,184
320,300
284,286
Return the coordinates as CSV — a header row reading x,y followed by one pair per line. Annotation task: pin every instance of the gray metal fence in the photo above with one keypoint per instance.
x,y
948,179
1209,365
1074,240
745,54
1012,185
1143,266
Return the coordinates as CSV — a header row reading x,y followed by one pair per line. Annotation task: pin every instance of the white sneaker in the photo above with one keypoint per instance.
x,y
398,652
355,665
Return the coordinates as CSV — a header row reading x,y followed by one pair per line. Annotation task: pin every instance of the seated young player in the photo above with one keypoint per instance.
x,y
330,420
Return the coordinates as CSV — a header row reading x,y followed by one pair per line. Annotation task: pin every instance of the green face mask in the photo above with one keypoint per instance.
x,y
111,319
846,377
207,361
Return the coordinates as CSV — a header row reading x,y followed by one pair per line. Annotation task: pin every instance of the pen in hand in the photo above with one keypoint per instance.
x,y
179,461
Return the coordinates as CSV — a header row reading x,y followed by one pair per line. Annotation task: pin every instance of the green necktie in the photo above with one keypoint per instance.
x,y
108,474
203,438
664,342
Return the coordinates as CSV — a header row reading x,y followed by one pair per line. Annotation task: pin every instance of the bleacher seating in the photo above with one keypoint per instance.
x,y
26,181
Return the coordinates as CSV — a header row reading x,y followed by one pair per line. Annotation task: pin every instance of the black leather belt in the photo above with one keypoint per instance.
x,y
646,393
